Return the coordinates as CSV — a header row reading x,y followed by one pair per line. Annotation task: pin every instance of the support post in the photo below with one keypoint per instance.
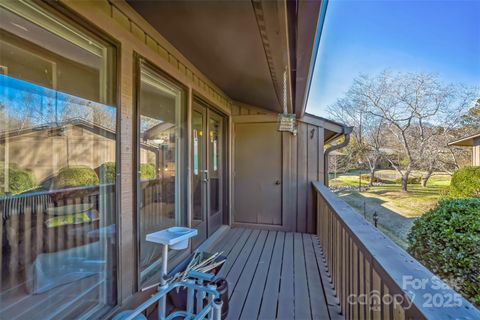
x,y
190,297
162,303
200,296
217,309
210,299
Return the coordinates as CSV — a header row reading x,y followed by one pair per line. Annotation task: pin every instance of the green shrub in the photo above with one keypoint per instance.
x,y
147,171
19,180
76,176
107,172
466,183
447,240
366,177
410,180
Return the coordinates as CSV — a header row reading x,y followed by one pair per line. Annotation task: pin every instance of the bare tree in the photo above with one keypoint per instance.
x,y
367,143
409,105
471,120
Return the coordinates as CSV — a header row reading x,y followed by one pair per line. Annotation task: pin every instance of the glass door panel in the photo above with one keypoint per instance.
x,y
159,163
199,174
207,162
215,171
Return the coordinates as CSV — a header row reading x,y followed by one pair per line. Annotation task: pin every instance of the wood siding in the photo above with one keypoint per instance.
x,y
118,21
302,155
302,161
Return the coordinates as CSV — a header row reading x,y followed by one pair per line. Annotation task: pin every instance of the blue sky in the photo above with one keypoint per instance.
x,y
27,101
366,37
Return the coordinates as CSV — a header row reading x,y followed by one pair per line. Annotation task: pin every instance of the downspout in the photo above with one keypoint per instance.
x,y
346,132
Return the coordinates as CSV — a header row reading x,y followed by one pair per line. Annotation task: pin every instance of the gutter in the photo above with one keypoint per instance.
x,y
346,133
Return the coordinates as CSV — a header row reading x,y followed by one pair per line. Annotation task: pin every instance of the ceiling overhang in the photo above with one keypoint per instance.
x,y
309,23
469,141
258,52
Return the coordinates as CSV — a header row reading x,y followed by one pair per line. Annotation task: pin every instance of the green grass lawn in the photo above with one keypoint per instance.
x,y
396,209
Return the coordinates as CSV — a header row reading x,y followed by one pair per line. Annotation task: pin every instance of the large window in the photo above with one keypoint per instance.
x,y
57,167
161,163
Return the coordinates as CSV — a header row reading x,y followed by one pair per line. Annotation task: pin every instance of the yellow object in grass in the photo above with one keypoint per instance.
x,y
76,218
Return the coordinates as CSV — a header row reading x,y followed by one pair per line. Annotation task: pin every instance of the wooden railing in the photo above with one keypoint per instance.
x,y
28,230
371,276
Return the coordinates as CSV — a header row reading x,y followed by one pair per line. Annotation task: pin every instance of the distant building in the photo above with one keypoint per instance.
x,y
470,141
82,143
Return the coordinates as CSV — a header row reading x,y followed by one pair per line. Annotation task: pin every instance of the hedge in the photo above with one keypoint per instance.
x,y
75,176
19,180
410,180
366,177
107,172
147,171
447,240
466,183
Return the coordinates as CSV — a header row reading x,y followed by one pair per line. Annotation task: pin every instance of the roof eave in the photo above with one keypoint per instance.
x,y
466,141
307,53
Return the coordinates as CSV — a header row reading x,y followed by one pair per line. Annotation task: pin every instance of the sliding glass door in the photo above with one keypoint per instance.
x,y
160,154
57,167
208,170
199,183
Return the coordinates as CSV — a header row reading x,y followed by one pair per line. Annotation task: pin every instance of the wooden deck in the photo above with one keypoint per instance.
x,y
275,275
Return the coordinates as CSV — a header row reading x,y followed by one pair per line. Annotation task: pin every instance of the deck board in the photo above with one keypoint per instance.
x,y
302,306
237,268
240,291
234,253
273,275
254,297
332,302
226,245
318,303
268,308
286,298
45,304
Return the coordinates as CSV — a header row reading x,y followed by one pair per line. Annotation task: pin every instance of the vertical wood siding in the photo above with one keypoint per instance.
x,y
309,167
302,165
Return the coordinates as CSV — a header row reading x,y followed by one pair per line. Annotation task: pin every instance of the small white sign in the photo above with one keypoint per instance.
x,y
287,122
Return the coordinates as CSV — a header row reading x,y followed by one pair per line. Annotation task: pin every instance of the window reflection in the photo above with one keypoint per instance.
x,y
198,215
215,175
160,108
57,168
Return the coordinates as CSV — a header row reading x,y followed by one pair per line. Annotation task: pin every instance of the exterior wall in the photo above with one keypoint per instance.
x,y
302,164
85,148
302,156
134,36
476,152
308,151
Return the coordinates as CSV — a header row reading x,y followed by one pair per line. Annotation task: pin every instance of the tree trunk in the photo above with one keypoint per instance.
x,y
372,177
426,177
405,182
424,181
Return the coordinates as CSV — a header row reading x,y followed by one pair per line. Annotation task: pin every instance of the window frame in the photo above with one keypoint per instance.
x,y
139,61
63,12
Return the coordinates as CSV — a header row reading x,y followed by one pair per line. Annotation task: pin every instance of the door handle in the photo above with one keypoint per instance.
x,y
205,175
277,182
